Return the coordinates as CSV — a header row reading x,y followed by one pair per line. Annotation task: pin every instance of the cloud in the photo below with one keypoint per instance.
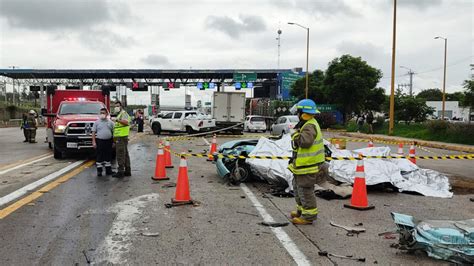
x,y
105,40
60,14
156,60
367,51
235,27
319,8
409,4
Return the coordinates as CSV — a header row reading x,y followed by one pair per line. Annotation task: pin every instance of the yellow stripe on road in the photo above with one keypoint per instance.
x,y
38,193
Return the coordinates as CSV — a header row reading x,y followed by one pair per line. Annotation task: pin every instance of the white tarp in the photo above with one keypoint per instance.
x,y
401,173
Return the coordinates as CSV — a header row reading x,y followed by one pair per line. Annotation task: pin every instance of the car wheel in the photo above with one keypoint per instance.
x,y
189,130
156,128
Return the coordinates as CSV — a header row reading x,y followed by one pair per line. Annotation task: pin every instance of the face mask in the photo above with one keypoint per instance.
x,y
306,117
103,116
117,109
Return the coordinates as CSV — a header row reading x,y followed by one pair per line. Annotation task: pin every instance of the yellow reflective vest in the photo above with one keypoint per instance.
x,y
307,160
119,129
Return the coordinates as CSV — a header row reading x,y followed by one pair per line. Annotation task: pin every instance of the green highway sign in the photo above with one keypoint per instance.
x,y
245,77
327,107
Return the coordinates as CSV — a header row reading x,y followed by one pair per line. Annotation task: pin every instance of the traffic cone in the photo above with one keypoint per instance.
x,y
359,199
400,148
168,161
338,146
371,144
213,150
182,196
160,170
412,154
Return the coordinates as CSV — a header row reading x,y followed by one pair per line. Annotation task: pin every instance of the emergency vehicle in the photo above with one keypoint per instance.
x,y
71,115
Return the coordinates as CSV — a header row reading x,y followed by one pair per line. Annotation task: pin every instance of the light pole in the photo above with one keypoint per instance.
x,y
307,55
392,83
444,75
411,73
13,84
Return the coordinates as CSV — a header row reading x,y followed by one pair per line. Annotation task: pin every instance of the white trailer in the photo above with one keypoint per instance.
x,y
229,110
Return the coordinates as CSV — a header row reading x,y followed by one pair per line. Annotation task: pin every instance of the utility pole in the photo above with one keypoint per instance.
x,y
392,88
278,39
411,73
13,83
444,74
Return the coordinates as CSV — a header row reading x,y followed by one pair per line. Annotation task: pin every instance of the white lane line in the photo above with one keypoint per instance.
x,y
118,242
24,190
284,238
205,140
25,164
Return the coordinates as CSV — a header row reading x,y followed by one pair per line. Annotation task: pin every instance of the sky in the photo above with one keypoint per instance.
x,y
213,34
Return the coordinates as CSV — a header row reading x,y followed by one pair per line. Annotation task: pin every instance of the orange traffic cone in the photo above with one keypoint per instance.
x,y
160,171
182,196
168,161
400,148
371,144
412,154
359,199
213,150
338,146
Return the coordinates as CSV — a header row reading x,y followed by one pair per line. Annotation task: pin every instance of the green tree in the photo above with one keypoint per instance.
x,y
455,96
348,82
315,87
409,108
468,93
430,95
375,100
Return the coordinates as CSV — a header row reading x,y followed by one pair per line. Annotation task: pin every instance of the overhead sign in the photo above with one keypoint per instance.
x,y
170,85
245,77
327,107
243,85
287,80
205,85
137,86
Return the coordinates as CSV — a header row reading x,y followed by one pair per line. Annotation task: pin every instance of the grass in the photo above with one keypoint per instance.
x,y
419,131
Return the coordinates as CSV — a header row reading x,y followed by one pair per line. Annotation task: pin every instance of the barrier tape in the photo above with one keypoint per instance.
x,y
264,157
181,138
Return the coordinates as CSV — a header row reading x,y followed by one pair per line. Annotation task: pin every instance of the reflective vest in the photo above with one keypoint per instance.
x,y
307,160
119,129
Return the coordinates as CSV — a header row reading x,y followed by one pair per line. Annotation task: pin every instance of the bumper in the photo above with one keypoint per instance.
x,y
72,143
222,170
257,128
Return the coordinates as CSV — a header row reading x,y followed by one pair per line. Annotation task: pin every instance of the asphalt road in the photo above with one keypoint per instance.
x,y
79,218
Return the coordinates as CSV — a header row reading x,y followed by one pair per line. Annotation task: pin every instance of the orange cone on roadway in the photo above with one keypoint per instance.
x,y
182,195
400,148
412,154
160,171
359,200
213,148
168,161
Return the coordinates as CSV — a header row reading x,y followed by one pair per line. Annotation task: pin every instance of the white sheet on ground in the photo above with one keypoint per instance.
x,y
401,173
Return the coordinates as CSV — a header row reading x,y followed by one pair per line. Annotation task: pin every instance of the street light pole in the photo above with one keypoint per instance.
x,y
392,88
444,74
411,73
307,56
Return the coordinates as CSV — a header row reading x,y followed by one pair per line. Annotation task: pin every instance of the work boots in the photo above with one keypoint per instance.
x,y
118,175
301,221
295,214
108,170
99,171
128,172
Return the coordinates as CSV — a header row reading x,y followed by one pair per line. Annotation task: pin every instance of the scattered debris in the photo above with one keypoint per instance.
x,y
31,204
149,234
471,199
358,224
78,216
349,257
247,213
351,231
167,185
441,239
274,224
242,197
85,256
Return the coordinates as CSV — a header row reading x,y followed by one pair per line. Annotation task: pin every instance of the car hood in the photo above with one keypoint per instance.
x,y
78,117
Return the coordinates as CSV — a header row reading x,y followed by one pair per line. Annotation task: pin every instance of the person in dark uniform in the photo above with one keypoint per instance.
x,y
102,140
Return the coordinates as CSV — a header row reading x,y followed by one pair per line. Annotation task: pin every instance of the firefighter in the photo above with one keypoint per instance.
x,y
24,127
306,162
32,125
102,140
121,131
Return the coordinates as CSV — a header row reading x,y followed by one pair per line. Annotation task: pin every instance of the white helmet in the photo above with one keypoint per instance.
x,y
32,112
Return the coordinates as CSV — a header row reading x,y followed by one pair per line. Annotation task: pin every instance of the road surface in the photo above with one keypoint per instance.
x,y
78,218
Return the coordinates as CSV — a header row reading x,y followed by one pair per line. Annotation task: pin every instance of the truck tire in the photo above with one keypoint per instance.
x,y
189,130
57,154
156,127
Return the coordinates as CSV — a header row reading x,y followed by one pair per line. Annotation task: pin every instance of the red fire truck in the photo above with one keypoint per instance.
x,y
71,114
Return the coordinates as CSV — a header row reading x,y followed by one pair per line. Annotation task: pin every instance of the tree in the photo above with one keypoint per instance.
x,y
430,95
348,82
409,108
455,96
468,93
315,87
375,100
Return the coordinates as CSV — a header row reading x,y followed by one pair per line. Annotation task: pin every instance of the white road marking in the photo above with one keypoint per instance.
x,y
207,142
284,238
24,190
116,244
25,164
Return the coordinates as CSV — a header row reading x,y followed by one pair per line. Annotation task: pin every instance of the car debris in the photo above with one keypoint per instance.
x,y
149,234
351,231
441,239
274,224
349,257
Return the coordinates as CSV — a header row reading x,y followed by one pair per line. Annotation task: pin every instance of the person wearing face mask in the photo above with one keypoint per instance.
x,y
307,162
102,139
121,131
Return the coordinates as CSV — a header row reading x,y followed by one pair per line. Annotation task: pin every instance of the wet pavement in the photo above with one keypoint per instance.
x,y
103,220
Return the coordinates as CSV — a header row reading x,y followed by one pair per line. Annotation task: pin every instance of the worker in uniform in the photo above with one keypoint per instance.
x,y
102,140
24,127
31,125
121,131
306,162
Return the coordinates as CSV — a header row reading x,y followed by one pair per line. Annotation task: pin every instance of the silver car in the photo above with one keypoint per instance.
x,y
284,124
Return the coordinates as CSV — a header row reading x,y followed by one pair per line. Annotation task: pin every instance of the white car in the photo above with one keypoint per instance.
x,y
255,123
181,121
284,124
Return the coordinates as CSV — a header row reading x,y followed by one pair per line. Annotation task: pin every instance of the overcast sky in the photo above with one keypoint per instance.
x,y
239,34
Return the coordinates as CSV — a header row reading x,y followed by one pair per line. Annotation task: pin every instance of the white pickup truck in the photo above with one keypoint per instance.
x,y
181,121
